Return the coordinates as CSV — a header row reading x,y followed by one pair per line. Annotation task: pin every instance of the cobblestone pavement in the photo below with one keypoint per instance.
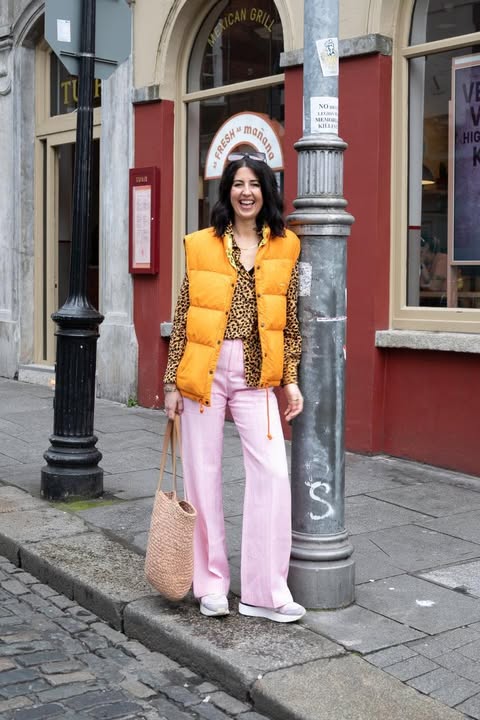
x,y
59,660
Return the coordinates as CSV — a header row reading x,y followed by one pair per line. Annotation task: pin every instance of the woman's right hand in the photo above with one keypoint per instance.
x,y
173,404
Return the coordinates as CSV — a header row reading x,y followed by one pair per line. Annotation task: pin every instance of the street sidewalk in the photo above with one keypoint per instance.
x,y
408,647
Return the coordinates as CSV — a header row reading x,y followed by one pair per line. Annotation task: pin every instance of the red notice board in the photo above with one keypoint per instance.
x,y
144,193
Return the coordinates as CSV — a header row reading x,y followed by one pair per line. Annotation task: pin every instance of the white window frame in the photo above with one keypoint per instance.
x,y
402,316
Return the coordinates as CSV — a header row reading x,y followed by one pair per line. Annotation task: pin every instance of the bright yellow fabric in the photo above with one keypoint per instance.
x,y
212,279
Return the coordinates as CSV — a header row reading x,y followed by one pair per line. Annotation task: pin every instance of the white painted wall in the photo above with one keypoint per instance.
x,y
117,346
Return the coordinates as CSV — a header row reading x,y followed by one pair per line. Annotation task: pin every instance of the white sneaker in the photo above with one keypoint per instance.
x,y
290,612
214,605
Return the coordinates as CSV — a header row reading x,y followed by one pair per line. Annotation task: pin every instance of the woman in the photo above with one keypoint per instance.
x,y
235,336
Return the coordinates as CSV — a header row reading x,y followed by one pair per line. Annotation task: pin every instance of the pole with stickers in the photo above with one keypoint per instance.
x,y
321,567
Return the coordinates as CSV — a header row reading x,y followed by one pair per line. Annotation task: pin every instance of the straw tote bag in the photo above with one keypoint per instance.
x,y
169,557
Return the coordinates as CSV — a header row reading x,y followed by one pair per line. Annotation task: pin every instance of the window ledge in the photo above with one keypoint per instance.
x,y
423,340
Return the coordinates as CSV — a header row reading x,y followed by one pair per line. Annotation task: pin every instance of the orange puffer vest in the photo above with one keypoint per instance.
x,y
212,278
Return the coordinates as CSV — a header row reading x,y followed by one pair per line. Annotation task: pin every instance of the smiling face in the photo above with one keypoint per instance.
x,y
246,195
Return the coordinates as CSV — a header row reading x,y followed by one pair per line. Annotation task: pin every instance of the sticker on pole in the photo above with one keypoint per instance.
x,y
304,279
63,31
327,49
324,115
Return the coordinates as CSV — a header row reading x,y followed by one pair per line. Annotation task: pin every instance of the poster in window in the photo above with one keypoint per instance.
x,y
465,140
143,254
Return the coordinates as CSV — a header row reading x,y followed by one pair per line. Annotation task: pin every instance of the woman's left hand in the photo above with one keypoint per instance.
x,y
294,401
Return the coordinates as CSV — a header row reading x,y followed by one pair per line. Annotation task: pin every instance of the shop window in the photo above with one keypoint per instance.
x,y
443,240
234,83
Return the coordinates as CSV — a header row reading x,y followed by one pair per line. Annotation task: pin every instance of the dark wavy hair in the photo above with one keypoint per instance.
x,y
272,211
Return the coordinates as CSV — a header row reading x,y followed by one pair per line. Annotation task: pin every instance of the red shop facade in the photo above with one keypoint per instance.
x,y
413,369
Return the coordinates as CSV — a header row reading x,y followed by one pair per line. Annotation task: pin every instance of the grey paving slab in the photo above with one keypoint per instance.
x,y
455,692
432,499
434,680
412,668
116,442
359,629
14,404
418,604
8,427
233,493
123,519
232,470
34,418
415,548
148,413
401,472
139,542
358,483
6,461
460,525
35,524
137,458
233,531
364,514
471,650
345,688
131,485
235,651
371,563
235,580
98,573
471,707
20,450
123,421
24,476
437,645
391,655
461,665
464,577
13,498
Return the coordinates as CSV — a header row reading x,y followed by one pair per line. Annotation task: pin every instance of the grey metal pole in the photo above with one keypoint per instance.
x,y
321,568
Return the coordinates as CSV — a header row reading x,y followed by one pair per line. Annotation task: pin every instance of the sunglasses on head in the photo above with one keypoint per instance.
x,y
234,156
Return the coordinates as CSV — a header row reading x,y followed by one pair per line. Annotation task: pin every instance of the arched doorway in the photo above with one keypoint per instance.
x,y
234,96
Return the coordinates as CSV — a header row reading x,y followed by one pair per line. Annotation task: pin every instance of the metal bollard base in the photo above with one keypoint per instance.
x,y
326,585
67,484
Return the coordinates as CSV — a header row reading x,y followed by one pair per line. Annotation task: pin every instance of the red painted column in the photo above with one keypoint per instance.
x,y
152,293
365,124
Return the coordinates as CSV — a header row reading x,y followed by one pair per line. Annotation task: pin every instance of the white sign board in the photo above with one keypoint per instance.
x,y
253,129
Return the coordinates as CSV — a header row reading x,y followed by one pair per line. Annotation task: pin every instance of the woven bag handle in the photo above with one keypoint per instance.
x,y
172,437
175,444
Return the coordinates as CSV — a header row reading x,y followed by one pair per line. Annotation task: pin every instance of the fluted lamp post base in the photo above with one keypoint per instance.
x,y
322,574
72,472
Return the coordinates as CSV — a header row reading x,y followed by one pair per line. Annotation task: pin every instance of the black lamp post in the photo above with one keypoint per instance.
x,y
72,469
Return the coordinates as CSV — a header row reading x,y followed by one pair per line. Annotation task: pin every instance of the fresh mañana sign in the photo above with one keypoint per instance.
x,y
238,16
465,218
252,129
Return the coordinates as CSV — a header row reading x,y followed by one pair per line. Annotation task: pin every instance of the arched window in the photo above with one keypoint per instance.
x,y
443,235
235,97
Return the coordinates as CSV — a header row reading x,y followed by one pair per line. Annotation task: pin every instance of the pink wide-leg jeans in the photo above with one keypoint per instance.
x,y
266,532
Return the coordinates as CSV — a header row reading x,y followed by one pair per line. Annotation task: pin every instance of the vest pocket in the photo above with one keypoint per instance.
x,y
192,373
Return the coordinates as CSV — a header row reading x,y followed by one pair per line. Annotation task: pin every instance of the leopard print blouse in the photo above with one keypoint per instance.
x,y
242,324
